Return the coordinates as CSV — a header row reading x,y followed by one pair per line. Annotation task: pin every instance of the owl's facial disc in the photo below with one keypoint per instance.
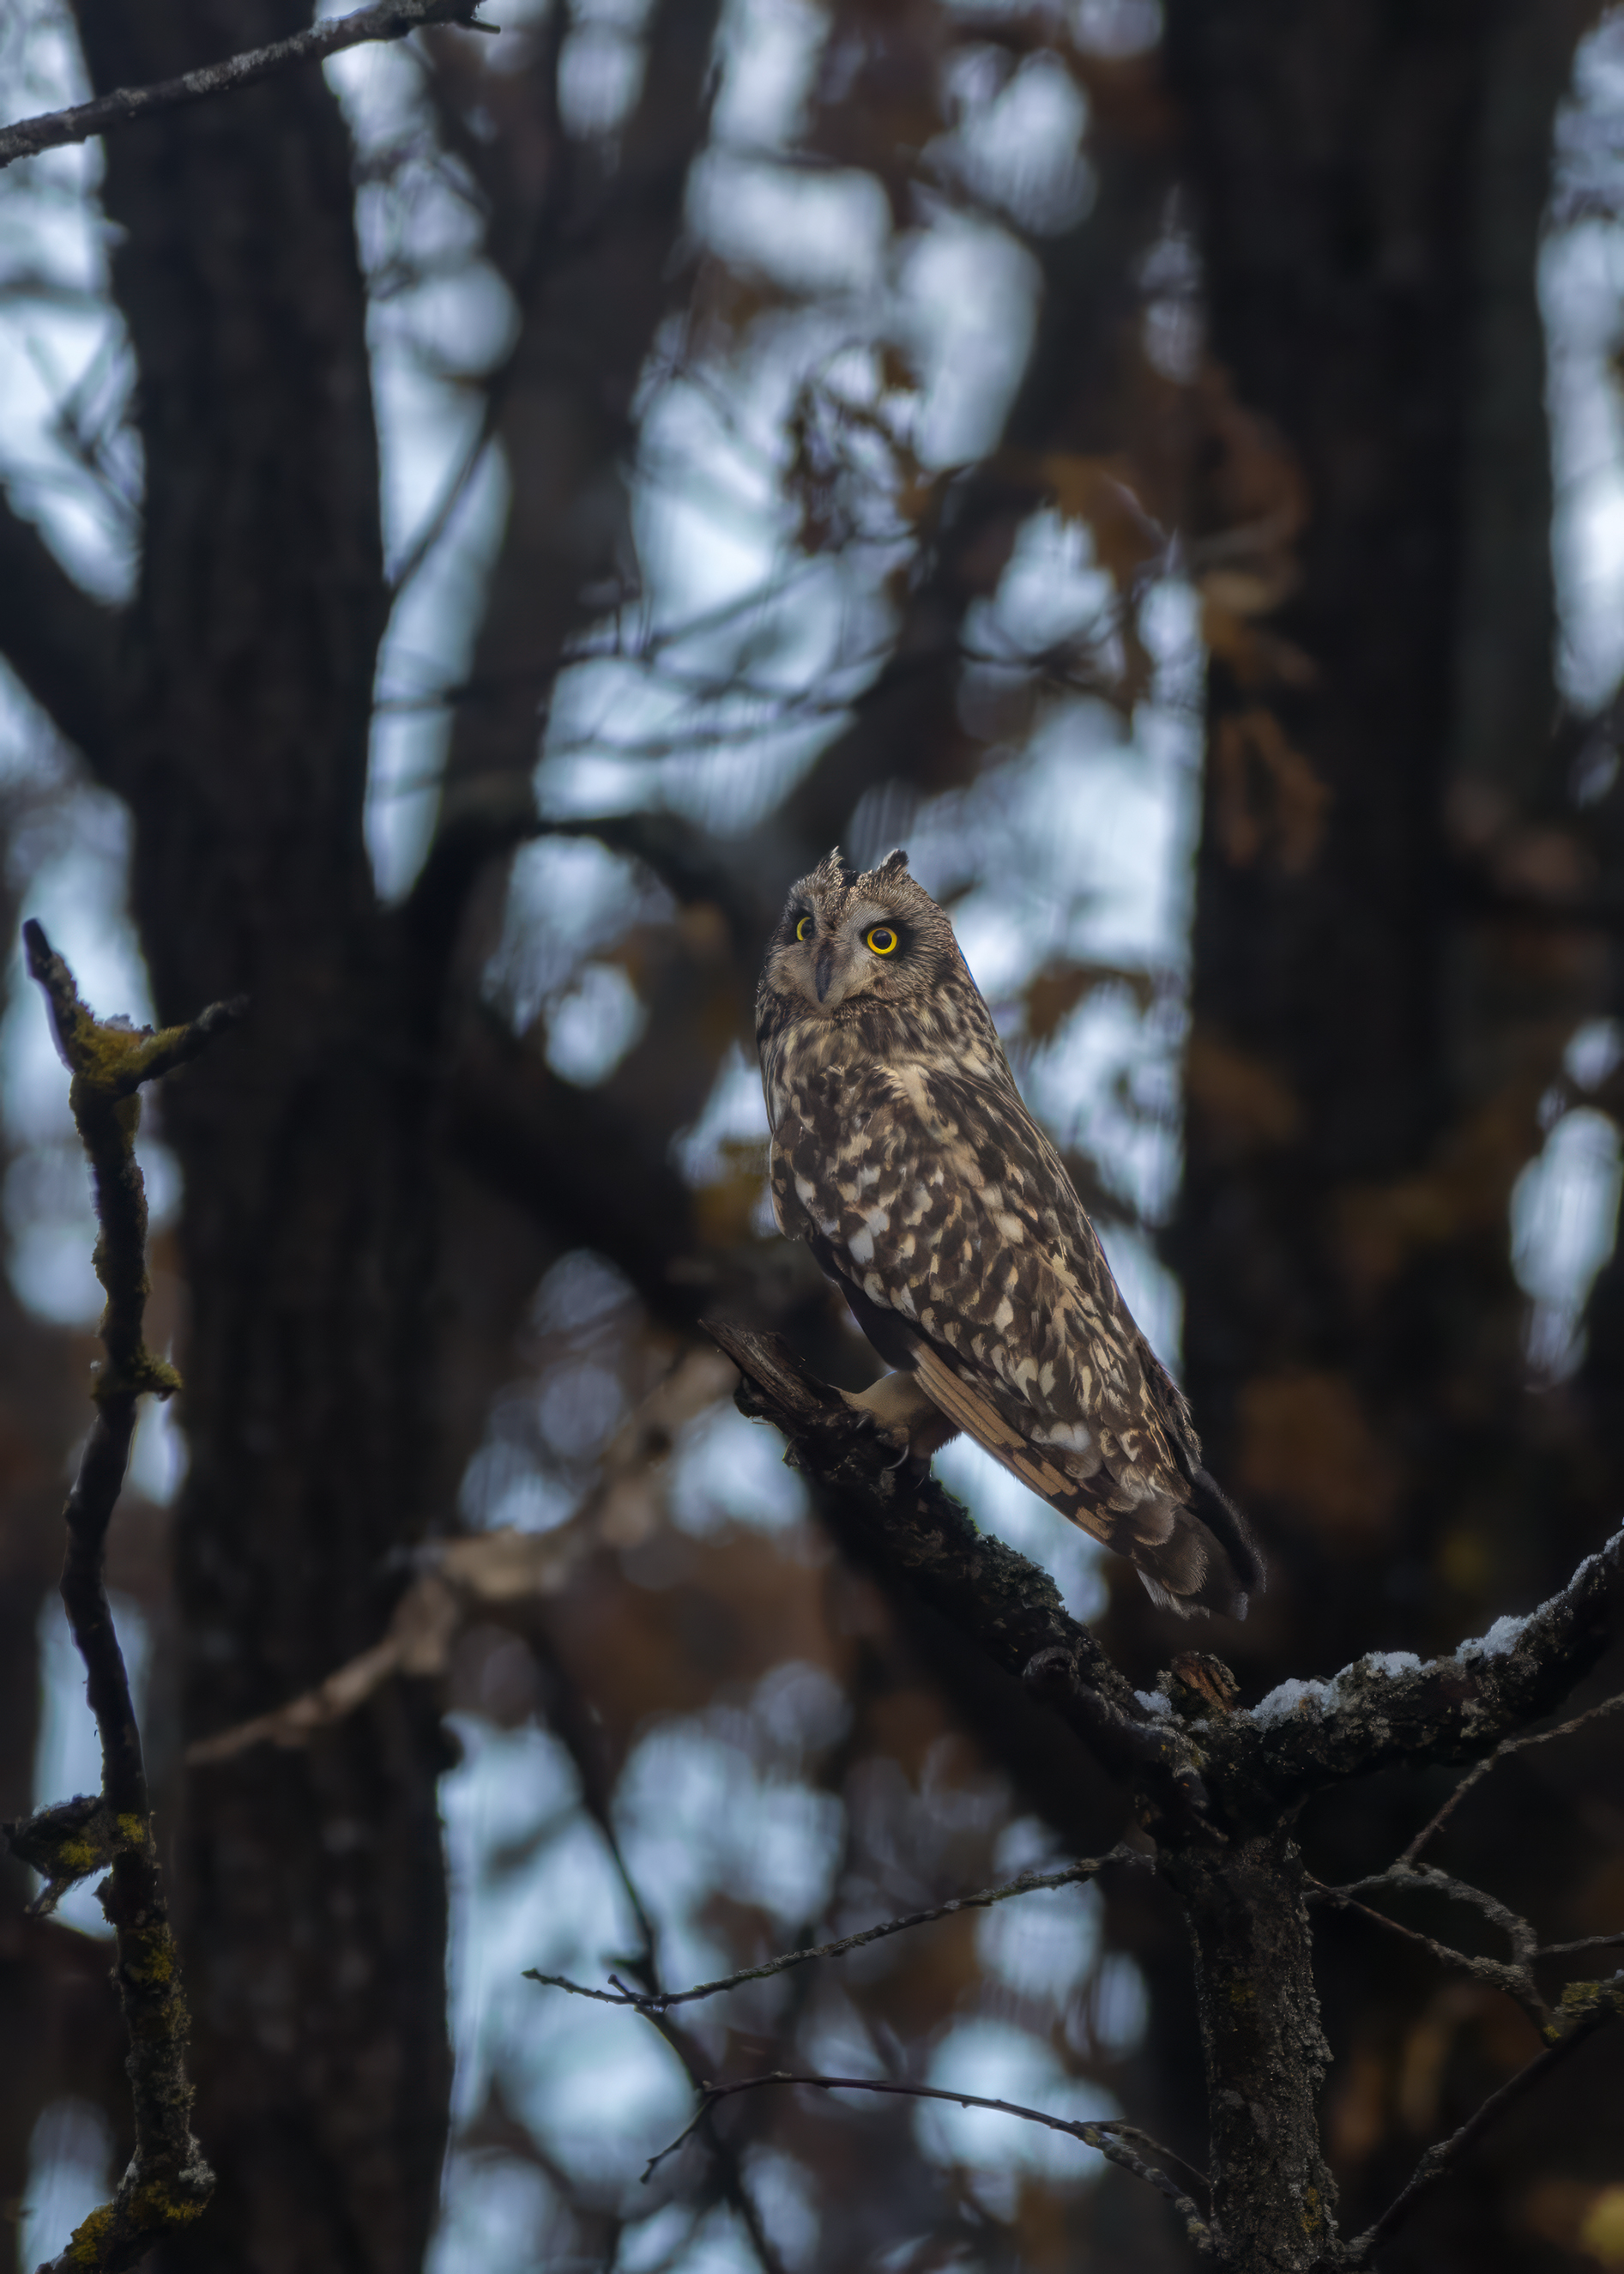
x,y
847,940
865,944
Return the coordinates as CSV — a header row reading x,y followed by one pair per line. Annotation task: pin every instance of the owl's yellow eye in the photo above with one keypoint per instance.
x,y
881,939
803,929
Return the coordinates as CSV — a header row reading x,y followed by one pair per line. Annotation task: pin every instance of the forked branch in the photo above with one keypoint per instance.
x,y
1029,1883
167,2182
1097,2136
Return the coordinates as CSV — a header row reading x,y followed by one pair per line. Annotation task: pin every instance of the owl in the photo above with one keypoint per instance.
x,y
903,1156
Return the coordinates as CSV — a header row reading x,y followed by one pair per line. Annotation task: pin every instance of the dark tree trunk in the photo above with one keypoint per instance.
x,y
1369,1047
310,1886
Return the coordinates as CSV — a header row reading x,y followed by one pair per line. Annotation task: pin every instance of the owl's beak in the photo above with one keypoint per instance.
x,y
823,968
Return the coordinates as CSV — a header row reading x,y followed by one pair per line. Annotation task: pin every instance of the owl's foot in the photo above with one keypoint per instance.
x,y
902,1413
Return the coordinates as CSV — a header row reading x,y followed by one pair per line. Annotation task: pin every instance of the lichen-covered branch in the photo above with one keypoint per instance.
x,y
1436,1822
1389,1707
167,2182
1587,2006
391,21
1009,1608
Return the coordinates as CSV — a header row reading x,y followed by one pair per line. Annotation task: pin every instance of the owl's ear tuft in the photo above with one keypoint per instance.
x,y
833,870
893,864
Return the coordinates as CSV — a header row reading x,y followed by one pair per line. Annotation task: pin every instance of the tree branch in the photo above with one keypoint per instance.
x,y
167,2182
1508,1745
1073,1875
1596,2004
1009,1608
393,19
1383,1709
573,1725
62,644
1092,2136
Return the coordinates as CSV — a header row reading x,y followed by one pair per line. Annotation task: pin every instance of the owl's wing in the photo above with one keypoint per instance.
x,y
964,1249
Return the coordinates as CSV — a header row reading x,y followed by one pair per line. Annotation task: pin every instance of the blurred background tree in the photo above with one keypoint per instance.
x,y
481,522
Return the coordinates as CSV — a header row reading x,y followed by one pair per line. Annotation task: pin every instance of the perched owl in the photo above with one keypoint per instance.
x,y
903,1156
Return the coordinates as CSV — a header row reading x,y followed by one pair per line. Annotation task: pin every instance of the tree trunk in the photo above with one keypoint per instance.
x,y
1372,1036
311,1892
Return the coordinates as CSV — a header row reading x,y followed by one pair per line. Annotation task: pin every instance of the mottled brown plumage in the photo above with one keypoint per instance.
x,y
903,1155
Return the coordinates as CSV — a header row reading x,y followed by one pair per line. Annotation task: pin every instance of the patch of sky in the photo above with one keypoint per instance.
x,y
650,2247
1120,2005
569,897
1564,1226
1582,296
967,300
593,1023
1042,1946
1000,2062
1052,589
768,52
1017,141
579,1409
1003,1507
496,2215
533,1886
1115,28
502,1489
581,1291
601,66
72,460
833,2037
159,1456
726,1470
67,1758
697,1810
721,2246
818,232
786,2196
799,1709
70,2172
76,887
735,1114
1594,1052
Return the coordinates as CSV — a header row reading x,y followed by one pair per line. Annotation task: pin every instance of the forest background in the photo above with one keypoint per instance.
x,y
481,522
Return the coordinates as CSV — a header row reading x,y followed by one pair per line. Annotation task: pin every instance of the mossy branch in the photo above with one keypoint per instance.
x,y
167,2182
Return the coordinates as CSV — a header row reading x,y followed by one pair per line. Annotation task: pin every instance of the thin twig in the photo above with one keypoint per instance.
x,y
1073,1875
1585,1942
1510,1745
576,1731
1513,1979
392,20
1606,2004
1095,2135
167,2182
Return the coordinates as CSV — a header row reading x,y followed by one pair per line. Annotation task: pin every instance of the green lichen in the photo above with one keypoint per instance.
x,y
91,2237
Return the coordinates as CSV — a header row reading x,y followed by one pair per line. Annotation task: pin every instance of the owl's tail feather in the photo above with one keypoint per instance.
x,y
1191,1559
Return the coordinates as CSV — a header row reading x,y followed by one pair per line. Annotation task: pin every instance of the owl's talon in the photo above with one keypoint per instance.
x,y
899,1410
